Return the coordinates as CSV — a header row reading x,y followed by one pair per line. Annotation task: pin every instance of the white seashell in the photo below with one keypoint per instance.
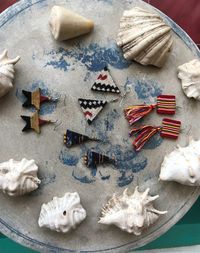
x,y
189,73
131,213
183,165
6,72
18,177
66,24
144,37
62,214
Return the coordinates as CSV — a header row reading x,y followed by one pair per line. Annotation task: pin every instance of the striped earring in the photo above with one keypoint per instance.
x,y
166,104
169,129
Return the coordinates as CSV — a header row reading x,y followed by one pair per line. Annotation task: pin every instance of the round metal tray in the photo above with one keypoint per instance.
x,y
69,69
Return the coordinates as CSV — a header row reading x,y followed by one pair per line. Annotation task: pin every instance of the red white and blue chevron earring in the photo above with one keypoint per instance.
x,y
166,104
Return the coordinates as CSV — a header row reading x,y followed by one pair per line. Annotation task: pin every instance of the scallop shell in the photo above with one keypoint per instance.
x,y
189,73
18,177
183,165
62,214
144,37
131,213
6,72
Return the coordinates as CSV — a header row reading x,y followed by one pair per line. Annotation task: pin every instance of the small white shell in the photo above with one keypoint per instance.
x,y
189,73
62,214
131,213
144,37
18,177
6,72
183,165
66,24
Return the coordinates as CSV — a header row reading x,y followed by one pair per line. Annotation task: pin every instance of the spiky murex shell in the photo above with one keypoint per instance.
x,y
131,213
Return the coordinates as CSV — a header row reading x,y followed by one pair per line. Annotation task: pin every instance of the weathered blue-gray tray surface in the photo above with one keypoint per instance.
x,y
69,69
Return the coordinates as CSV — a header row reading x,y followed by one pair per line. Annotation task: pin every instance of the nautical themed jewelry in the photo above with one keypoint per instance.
x,y
166,104
66,24
91,108
144,37
34,122
92,159
72,138
6,72
182,165
189,73
169,129
18,177
105,83
131,213
62,214
35,98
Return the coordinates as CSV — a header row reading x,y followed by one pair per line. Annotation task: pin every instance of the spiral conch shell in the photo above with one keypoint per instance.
x,y
62,214
144,37
183,165
18,177
131,213
189,73
6,72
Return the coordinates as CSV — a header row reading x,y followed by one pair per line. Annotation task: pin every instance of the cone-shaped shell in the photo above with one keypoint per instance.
x,y
6,72
183,165
66,24
131,213
18,177
189,73
144,37
62,214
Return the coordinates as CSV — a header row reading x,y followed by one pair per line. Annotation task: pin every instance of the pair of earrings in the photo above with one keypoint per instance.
x,y
104,83
92,158
35,99
166,104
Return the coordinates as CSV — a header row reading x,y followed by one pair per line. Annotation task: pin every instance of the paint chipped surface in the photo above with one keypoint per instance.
x,y
94,57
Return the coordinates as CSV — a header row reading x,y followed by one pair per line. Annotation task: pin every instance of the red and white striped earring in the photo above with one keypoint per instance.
x,y
170,129
166,104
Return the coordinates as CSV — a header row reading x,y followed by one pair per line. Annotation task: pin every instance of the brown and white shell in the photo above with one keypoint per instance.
x,y
6,72
18,177
131,213
62,214
144,37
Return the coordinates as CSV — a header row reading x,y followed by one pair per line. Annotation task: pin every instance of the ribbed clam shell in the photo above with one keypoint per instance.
x,y
183,165
131,213
18,177
62,214
144,37
189,73
6,72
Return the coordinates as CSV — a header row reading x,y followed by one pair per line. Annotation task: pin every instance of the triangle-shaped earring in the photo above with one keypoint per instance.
x,y
105,83
93,159
72,138
91,108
